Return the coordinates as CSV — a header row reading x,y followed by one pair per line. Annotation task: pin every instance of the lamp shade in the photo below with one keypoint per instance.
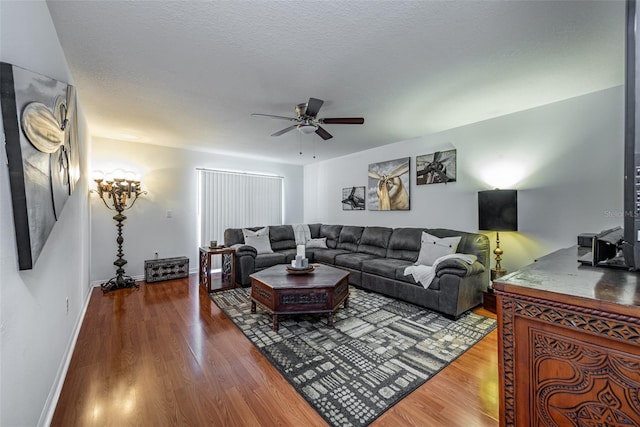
x,y
498,210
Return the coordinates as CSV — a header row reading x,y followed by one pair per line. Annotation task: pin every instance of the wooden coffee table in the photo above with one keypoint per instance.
x,y
279,292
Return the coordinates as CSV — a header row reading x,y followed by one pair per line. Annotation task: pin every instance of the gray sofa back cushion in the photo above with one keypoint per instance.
x,y
332,233
282,237
374,241
405,244
315,230
350,237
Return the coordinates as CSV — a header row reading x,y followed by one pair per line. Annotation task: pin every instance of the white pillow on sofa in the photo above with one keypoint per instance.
x,y
262,232
317,243
261,243
259,239
433,247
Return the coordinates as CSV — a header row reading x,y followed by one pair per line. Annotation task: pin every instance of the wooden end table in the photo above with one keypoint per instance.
x,y
228,275
319,292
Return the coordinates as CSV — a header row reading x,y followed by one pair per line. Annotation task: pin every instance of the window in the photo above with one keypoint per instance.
x,y
236,199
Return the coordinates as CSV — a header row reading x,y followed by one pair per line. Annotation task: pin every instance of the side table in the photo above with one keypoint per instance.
x,y
228,275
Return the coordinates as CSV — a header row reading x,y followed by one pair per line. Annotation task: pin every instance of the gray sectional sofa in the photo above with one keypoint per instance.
x,y
376,258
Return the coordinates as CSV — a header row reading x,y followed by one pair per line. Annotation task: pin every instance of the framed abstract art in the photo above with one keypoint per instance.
x,y
40,127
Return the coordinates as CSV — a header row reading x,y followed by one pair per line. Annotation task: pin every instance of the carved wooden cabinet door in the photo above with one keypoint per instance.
x,y
564,365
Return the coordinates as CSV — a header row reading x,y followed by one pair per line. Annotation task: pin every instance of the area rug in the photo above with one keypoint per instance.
x,y
379,350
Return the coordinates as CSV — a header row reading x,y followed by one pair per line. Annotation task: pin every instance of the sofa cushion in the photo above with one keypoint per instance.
x,y
434,247
282,237
320,243
332,233
386,267
350,237
289,255
408,278
405,243
374,241
354,260
327,256
315,230
233,236
267,260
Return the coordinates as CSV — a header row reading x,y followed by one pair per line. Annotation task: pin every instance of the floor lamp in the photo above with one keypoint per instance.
x,y
121,189
498,211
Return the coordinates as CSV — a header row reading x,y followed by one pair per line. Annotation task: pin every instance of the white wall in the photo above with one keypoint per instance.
x,y
36,331
169,175
566,160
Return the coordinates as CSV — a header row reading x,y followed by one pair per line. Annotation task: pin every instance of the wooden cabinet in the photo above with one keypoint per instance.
x,y
569,344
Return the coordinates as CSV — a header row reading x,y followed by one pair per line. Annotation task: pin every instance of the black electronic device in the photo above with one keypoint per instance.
x,y
606,249
631,243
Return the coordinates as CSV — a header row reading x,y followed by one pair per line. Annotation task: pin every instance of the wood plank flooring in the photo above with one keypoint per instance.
x,y
165,355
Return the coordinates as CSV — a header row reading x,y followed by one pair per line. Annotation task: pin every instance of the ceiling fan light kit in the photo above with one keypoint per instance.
x,y
308,122
307,128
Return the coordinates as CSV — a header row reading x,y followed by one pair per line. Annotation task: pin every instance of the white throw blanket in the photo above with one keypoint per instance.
x,y
302,233
424,274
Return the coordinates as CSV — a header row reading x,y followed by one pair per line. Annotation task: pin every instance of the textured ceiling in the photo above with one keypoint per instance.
x,y
189,74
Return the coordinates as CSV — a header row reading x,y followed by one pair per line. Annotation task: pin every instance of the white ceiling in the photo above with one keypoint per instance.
x,y
189,74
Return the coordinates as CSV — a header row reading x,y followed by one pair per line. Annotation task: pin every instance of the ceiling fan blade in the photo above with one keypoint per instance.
x,y
313,106
285,130
343,121
323,133
275,117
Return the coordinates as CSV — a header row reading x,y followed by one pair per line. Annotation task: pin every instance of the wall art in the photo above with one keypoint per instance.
x,y
388,188
436,168
353,199
40,127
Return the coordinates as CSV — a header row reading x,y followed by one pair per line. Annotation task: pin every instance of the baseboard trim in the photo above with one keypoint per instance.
x,y
52,400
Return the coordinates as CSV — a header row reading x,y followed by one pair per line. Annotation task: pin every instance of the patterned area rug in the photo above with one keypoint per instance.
x,y
379,350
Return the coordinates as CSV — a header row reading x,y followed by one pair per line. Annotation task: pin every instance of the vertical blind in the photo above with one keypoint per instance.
x,y
234,199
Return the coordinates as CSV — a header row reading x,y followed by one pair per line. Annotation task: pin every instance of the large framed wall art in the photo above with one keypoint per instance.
x,y
40,127
388,187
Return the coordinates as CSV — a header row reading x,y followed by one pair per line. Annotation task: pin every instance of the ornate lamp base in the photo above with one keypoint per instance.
x,y
118,282
496,274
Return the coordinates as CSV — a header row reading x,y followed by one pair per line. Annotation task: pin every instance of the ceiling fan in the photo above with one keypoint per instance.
x,y
307,121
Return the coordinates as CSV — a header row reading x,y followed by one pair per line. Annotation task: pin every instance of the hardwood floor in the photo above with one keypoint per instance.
x,y
166,355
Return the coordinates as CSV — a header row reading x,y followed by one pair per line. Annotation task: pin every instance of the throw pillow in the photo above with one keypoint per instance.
x,y
261,243
262,232
317,243
434,247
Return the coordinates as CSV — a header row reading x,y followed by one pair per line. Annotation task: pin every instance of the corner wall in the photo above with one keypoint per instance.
x,y
565,159
169,176
36,328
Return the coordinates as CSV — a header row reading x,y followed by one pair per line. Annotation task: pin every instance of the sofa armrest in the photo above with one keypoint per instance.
x,y
459,268
246,250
